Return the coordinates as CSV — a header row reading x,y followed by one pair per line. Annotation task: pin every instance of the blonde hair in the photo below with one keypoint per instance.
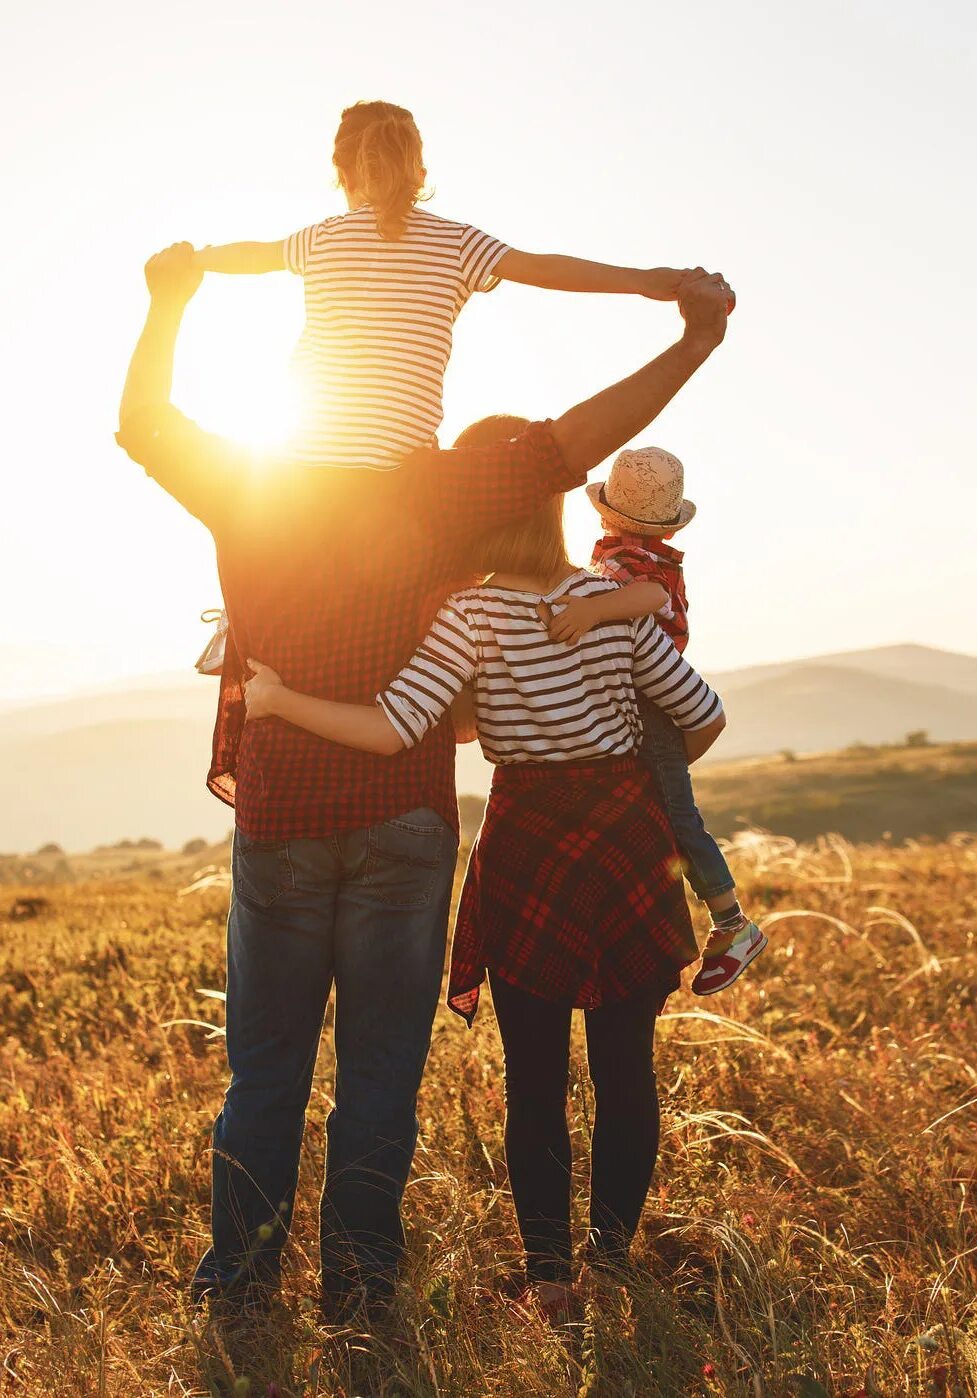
x,y
378,155
534,546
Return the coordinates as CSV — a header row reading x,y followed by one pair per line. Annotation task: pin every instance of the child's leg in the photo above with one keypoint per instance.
x,y
735,942
663,753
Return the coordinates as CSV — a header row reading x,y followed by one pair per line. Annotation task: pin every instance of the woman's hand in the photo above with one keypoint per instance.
x,y
262,691
700,740
463,716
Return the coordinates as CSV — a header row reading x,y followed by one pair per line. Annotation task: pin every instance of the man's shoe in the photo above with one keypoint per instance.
x,y
727,957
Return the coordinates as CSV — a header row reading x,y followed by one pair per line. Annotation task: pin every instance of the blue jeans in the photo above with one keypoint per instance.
x,y
368,910
662,751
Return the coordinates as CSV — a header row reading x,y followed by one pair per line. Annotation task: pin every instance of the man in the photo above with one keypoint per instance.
x,y
343,861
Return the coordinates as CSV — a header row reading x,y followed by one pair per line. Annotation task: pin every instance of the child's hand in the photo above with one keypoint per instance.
x,y
261,690
663,283
577,618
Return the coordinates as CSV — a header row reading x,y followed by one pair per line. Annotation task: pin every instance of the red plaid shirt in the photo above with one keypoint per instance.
x,y
631,558
327,576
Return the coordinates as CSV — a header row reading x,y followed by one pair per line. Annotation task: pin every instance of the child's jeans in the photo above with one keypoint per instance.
x,y
662,751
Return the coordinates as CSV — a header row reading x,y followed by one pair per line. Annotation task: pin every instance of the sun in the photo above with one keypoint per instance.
x,y
233,372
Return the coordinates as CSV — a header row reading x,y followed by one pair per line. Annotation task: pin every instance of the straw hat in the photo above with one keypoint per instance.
x,y
644,493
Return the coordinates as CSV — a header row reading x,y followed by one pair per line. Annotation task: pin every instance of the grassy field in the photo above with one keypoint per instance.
x,y
811,1227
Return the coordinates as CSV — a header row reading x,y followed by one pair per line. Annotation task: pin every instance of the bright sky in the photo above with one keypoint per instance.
x,y
817,155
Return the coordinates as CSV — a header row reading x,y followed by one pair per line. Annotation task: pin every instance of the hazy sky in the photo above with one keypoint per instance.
x,y
821,156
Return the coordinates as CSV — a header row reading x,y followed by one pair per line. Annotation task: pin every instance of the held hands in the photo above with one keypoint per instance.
x,y
261,690
705,301
669,283
173,274
662,283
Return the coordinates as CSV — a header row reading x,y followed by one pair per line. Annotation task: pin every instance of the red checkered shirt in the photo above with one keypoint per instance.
x,y
332,577
631,558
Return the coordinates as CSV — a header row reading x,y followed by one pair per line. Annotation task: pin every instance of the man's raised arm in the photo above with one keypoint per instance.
x,y
593,430
475,489
195,467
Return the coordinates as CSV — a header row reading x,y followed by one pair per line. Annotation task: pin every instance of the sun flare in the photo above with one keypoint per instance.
x,y
235,367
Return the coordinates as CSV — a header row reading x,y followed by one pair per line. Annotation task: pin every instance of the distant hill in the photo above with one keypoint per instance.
x,y
817,707
913,664
127,762
104,782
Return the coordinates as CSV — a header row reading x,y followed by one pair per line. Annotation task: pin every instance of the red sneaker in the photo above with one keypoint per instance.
x,y
726,957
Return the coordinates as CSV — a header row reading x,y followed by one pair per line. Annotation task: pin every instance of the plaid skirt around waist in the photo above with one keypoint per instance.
x,y
574,888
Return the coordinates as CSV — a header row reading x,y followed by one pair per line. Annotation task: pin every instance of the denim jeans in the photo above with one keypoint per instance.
x,y
663,753
368,911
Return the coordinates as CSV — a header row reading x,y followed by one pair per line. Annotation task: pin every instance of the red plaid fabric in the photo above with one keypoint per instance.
x,y
631,558
574,888
327,575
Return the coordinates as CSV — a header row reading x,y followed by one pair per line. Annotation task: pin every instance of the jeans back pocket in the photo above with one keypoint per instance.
x,y
262,870
404,858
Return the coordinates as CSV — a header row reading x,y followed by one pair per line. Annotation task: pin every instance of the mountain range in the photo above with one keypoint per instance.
x,y
128,762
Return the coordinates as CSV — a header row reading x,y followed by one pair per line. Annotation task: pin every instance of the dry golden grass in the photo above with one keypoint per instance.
x,y
811,1227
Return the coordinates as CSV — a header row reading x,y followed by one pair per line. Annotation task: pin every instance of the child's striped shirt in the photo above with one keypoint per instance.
x,y
379,319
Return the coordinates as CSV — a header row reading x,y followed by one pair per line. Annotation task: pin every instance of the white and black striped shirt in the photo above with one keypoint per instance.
x,y
379,319
537,700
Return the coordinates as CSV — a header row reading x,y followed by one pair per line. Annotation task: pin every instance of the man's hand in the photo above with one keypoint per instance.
x,y
706,301
261,691
173,275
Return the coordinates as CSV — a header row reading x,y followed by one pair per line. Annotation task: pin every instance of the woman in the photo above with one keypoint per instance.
x,y
573,895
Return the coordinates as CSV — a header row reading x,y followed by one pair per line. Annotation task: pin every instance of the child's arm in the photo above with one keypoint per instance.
x,y
363,726
242,257
556,273
583,614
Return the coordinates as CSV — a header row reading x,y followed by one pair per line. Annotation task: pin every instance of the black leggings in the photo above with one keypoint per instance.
x,y
624,1146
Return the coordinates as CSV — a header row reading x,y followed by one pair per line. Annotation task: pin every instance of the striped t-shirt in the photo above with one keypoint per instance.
x,y
377,338
538,700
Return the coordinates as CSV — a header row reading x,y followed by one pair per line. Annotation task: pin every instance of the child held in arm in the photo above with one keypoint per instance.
x,y
641,506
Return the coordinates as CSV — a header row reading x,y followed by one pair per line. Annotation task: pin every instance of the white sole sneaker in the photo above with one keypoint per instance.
x,y
731,964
